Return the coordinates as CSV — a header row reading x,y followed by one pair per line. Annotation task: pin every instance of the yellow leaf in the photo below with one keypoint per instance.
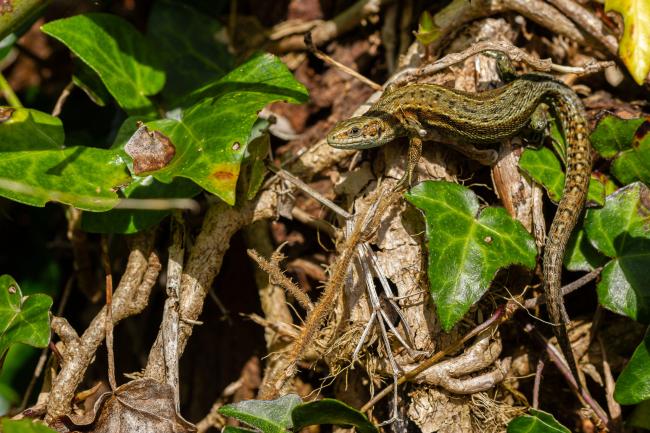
x,y
634,48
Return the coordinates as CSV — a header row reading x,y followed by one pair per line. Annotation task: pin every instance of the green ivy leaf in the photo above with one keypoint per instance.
x,y
272,416
191,58
613,135
544,168
330,411
117,52
211,136
36,168
24,426
627,142
581,255
22,319
621,231
633,384
536,421
466,246
634,164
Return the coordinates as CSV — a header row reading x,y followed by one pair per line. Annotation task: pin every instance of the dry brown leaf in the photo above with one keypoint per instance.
x,y
143,406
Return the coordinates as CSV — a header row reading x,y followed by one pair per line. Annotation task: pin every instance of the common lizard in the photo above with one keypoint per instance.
x,y
428,111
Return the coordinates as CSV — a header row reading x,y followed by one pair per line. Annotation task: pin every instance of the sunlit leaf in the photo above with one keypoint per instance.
x,y
117,52
621,231
211,136
634,46
466,246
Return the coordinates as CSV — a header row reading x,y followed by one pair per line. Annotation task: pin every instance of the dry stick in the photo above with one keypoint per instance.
x,y
571,287
498,316
538,379
327,59
513,52
582,393
131,297
108,321
588,21
279,278
58,106
612,405
327,30
170,321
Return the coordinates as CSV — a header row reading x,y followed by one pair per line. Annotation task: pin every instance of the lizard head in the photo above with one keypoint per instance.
x,y
361,132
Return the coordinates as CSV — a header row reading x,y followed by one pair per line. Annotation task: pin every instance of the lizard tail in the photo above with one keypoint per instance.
x,y
570,111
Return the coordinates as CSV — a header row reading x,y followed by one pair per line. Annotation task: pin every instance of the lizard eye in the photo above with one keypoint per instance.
x,y
355,131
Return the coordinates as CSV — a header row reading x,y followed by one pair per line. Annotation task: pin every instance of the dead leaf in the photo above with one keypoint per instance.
x,y
150,150
142,405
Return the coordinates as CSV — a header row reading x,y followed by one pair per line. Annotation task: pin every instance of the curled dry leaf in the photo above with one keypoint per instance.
x,y
143,405
150,150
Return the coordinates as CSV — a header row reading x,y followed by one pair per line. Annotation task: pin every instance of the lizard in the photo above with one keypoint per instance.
x,y
429,111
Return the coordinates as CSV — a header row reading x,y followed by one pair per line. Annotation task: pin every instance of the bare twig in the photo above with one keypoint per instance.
x,y
582,393
588,21
612,405
327,30
170,322
131,297
513,52
538,380
58,106
571,287
340,66
108,321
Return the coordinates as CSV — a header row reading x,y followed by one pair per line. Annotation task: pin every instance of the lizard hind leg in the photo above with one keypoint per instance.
x,y
535,131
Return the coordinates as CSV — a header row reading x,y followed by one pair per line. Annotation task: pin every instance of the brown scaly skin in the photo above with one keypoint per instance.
x,y
431,111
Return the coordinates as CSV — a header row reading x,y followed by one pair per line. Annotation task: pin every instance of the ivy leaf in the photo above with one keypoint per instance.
x,y
627,142
36,168
536,421
211,136
634,164
191,58
272,416
117,52
22,319
580,255
633,384
621,231
330,411
544,168
466,246
613,135
634,47
24,426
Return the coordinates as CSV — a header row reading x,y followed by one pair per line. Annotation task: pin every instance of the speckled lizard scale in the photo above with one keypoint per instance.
x,y
424,110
